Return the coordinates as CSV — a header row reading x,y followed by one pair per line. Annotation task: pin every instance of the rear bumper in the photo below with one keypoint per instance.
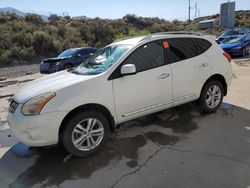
x,y
228,77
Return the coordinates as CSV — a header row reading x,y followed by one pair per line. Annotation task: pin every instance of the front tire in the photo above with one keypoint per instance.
x,y
85,133
211,97
67,66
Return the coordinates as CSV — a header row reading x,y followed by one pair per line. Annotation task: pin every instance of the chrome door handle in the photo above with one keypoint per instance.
x,y
203,65
163,76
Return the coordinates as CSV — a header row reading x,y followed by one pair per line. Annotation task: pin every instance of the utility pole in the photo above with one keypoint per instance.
x,y
189,8
195,14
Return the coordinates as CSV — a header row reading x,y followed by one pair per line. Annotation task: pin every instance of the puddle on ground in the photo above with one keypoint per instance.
x,y
50,161
54,166
179,119
162,139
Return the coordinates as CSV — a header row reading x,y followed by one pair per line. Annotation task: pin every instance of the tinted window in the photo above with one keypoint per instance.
x,y
181,49
147,56
84,52
203,45
92,50
185,48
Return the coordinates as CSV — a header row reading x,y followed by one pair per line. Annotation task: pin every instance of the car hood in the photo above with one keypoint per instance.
x,y
50,83
54,59
231,45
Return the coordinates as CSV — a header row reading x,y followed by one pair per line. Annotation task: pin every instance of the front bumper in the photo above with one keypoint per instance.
x,y
48,68
38,130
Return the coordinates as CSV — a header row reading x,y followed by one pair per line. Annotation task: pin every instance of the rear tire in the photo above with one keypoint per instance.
x,y
211,97
85,133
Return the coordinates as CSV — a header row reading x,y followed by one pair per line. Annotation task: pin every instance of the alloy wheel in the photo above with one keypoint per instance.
x,y
213,96
87,134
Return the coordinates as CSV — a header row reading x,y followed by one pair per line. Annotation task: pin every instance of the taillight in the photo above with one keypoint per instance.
x,y
227,56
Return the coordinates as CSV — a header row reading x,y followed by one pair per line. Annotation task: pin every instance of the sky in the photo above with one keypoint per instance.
x,y
167,9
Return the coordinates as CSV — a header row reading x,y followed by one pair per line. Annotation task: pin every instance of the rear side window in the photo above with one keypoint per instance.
x,y
147,56
203,45
185,48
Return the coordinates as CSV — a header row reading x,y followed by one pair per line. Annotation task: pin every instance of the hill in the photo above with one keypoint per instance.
x,y
26,39
12,10
18,12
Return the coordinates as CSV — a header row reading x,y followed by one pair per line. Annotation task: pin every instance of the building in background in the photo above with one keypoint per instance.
x,y
206,24
227,15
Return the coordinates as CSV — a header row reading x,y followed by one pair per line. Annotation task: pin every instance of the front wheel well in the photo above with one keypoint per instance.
x,y
95,107
220,78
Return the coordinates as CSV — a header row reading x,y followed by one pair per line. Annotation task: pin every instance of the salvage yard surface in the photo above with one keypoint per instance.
x,y
175,148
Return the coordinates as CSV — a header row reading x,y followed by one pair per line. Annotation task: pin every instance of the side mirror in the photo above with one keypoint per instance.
x,y
128,69
78,55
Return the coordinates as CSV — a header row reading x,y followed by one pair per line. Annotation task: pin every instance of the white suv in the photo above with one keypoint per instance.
x,y
125,80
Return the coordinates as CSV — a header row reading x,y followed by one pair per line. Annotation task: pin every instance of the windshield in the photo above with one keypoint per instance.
x,y
233,39
231,32
68,53
102,60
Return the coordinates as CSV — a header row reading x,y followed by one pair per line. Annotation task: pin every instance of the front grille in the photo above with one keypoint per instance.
x,y
13,106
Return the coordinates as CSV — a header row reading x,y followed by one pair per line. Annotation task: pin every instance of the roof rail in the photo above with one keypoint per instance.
x,y
125,38
173,33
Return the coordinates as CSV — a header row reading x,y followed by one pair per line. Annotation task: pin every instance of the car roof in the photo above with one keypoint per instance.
x,y
156,36
81,48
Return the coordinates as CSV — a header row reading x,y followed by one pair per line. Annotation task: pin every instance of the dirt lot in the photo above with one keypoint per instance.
x,y
175,148
17,71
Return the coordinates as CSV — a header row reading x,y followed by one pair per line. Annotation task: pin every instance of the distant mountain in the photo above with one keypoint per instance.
x,y
18,12
12,10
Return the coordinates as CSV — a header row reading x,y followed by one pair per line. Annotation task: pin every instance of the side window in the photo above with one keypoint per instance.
x,y
92,50
180,49
203,45
147,56
184,48
83,52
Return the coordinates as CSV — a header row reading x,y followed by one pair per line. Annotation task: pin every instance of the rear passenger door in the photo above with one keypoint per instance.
x,y
190,67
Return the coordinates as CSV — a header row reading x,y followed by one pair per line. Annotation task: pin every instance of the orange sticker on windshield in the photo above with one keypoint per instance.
x,y
165,44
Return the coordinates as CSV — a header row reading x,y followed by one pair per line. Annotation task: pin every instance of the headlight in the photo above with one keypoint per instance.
x,y
36,104
237,48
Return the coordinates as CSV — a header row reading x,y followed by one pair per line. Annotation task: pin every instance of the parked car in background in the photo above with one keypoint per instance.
x,y
236,45
230,32
125,80
67,59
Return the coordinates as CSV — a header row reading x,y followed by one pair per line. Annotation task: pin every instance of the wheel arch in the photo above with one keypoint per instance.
x,y
217,77
85,107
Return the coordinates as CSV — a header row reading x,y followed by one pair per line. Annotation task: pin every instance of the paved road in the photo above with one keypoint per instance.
x,y
174,148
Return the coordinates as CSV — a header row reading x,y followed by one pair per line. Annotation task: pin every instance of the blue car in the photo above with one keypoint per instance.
x,y
236,45
67,59
230,32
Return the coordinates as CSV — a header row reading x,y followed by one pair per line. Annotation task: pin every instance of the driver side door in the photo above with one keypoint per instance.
x,y
147,91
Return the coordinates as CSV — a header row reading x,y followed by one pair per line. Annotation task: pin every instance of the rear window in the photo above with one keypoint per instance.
x,y
185,48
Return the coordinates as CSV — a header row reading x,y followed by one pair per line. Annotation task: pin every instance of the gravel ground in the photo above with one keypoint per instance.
x,y
19,70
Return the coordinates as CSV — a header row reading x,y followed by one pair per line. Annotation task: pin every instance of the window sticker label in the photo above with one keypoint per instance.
x,y
165,44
